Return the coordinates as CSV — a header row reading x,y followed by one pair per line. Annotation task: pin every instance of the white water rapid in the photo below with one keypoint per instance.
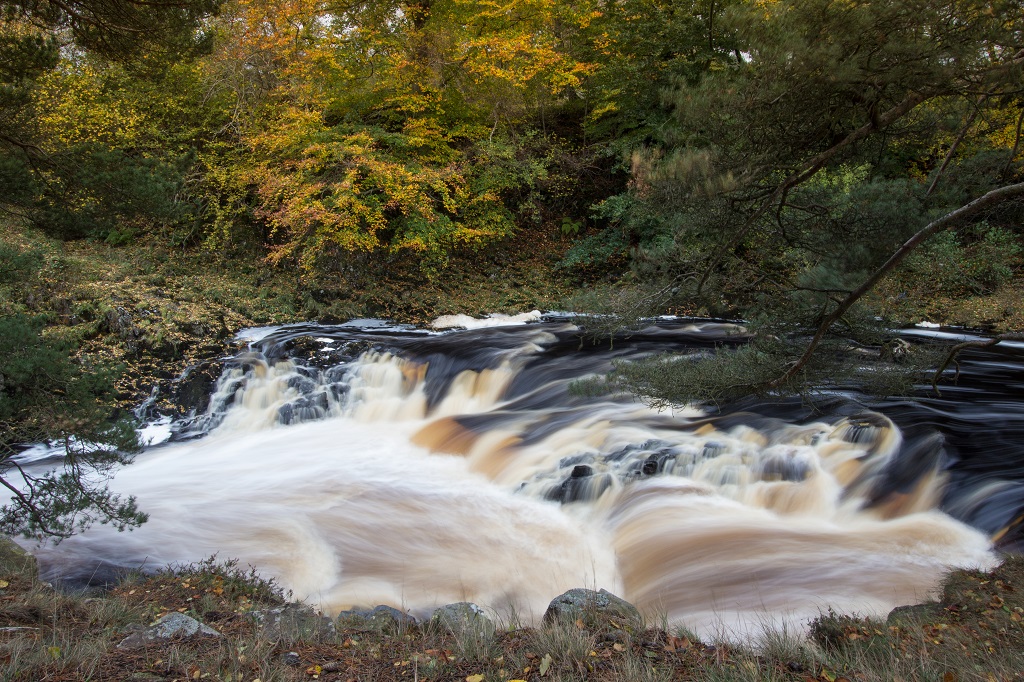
x,y
362,482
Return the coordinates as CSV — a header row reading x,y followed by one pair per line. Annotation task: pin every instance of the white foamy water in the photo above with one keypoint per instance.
x,y
394,498
492,320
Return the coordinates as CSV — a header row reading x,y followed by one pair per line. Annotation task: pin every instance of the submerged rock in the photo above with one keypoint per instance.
x,y
171,626
597,610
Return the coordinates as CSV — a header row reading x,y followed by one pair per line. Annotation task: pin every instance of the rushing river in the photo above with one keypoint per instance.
x,y
363,464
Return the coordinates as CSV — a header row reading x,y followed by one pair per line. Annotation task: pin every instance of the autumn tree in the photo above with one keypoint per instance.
x,y
71,131
392,127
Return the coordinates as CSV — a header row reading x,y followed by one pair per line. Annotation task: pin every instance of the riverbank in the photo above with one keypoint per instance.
x,y
156,310
973,632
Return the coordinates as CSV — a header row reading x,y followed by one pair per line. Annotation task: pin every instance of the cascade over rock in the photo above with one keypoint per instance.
x,y
376,464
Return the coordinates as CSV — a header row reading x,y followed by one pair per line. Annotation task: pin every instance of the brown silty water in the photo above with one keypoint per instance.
x,y
417,470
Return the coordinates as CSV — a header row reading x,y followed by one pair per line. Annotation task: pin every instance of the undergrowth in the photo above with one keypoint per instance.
x,y
973,633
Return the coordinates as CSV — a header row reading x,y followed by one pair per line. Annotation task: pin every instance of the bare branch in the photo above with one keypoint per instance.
x,y
958,348
956,144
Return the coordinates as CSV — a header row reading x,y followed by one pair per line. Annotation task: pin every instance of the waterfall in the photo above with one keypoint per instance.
x,y
369,464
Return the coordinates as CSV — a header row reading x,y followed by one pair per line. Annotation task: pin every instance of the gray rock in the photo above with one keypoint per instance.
x,y
462,617
171,626
598,610
291,658
292,622
380,618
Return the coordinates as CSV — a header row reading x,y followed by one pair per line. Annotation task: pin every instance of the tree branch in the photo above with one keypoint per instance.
x,y
992,198
955,351
956,144
811,167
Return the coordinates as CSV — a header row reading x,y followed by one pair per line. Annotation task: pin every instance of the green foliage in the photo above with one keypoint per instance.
x,y
233,582
794,168
974,261
117,29
46,394
107,194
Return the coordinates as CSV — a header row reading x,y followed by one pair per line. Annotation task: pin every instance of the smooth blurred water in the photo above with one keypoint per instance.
x,y
363,464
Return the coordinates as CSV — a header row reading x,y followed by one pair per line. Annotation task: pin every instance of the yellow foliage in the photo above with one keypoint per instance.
x,y
74,107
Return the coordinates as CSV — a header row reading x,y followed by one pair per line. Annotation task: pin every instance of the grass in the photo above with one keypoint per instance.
x,y
974,632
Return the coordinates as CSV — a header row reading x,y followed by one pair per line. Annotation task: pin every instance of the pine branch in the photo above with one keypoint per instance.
x,y
994,197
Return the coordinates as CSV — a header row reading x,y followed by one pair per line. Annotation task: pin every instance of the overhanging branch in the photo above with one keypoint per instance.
x,y
988,200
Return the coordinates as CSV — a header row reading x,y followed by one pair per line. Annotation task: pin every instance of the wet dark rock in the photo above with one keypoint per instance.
x,y
782,469
304,409
712,449
462,617
581,471
580,486
600,610
191,393
171,626
381,618
292,622
291,658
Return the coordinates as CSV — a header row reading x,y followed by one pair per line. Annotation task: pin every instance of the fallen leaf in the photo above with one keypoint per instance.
x,y
618,647
475,678
545,664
